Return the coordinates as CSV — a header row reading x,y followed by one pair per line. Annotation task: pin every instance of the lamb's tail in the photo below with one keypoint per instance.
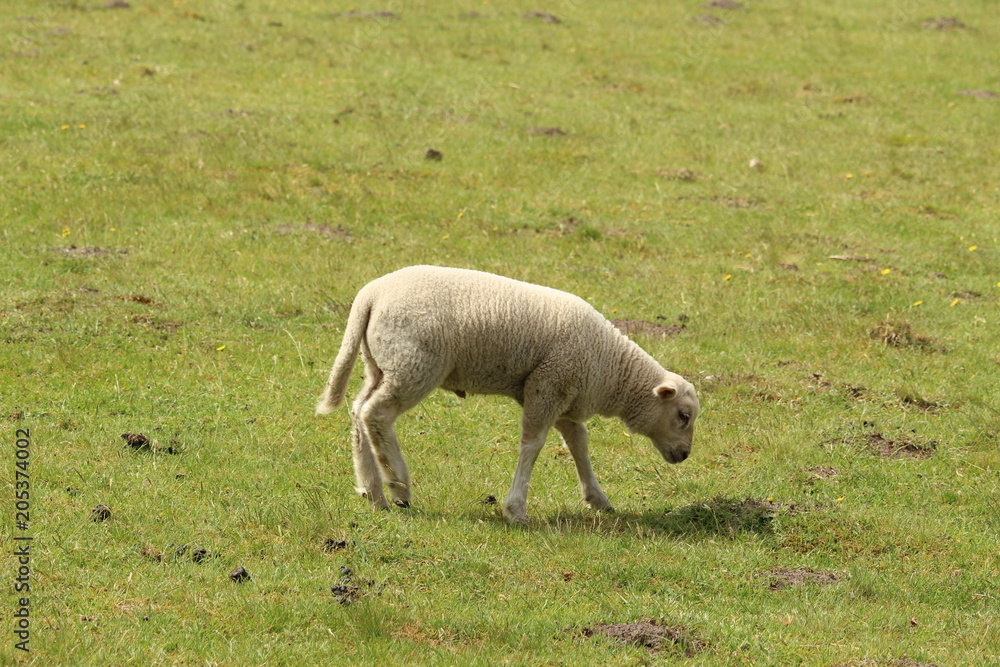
x,y
336,386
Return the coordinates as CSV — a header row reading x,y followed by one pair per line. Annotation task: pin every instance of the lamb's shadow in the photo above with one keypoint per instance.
x,y
715,517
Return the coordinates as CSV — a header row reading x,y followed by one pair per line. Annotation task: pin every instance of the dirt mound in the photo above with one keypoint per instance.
x,y
898,445
781,579
944,23
650,634
899,334
89,251
898,449
824,472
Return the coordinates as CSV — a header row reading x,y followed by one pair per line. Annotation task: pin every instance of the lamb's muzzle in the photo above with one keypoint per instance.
x,y
469,332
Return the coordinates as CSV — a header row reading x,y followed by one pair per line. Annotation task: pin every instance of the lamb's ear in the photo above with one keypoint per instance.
x,y
667,390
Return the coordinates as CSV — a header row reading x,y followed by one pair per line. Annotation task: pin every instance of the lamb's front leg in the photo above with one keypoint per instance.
x,y
515,506
575,437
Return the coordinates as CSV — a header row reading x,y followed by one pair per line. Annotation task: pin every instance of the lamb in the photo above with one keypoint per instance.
x,y
424,327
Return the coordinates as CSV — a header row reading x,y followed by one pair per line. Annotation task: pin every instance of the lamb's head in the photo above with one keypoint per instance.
x,y
667,417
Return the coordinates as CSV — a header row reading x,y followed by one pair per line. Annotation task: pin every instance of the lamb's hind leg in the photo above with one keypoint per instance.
x,y
575,437
369,482
377,417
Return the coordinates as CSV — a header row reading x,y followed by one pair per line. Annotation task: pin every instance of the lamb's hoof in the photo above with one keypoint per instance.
x,y
515,518
405,504
599,505
377,501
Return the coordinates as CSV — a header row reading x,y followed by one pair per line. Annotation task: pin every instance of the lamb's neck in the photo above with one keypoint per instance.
x,y
637,373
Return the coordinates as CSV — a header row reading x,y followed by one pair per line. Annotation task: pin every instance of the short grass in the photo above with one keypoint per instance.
x,y
191,192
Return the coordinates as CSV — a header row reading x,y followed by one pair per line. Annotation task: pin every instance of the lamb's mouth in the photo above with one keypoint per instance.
x,y
676,455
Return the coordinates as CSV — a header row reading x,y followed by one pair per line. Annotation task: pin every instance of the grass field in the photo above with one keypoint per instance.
x,y
797,201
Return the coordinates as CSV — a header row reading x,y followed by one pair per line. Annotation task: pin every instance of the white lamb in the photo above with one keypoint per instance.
x,y
424,327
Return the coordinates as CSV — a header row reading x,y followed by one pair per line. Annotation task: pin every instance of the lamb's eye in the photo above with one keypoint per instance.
x,y
685,416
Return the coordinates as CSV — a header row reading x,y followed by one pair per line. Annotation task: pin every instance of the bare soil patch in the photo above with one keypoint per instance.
x,y
852,258
160,325
824,472
728,5
708,19
382,14
919,402
138,298
943,23
649,329
140,443
682,174
854,392
338,232
899,449
981,94
780,579
89,251
738,202
901,445
544,17
901,335
549,131
151,553
650,634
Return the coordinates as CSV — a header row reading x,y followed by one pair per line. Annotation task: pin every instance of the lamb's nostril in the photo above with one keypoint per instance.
x,y
680,455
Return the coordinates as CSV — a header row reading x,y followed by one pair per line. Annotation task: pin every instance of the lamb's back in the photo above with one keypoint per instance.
x,y
491,331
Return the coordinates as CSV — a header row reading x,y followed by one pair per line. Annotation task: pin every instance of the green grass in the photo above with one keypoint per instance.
x,y
192,192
